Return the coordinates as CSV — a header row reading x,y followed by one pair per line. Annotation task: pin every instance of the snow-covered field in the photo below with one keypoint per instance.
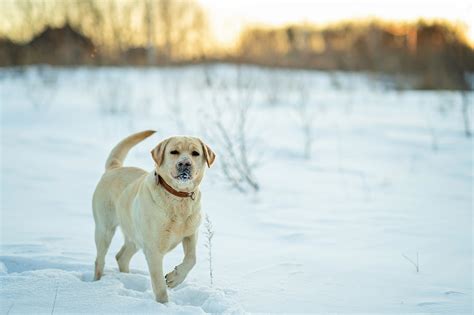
x,y
389,180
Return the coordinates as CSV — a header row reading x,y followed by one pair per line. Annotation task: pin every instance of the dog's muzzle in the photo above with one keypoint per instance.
x,y
184,170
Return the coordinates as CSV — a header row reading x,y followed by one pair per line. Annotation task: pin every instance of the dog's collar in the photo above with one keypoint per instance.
x,y
160,181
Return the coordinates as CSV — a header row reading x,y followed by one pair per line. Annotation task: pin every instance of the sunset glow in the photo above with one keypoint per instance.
x,y
228,17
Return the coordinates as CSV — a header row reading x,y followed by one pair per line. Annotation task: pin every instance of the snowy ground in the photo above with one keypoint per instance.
x,y
390,176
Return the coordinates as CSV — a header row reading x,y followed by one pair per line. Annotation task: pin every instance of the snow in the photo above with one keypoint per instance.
x,y
390,176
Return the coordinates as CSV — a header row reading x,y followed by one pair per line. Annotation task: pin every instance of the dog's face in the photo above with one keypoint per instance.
x,y
181,161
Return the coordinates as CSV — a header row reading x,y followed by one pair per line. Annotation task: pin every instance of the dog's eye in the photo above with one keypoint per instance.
x,y
174,152
195,153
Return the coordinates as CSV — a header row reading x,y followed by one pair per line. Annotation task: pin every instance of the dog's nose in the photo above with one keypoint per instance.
x,y
182,164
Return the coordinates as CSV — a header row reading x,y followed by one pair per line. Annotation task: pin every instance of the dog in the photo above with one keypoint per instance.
x,y
155,210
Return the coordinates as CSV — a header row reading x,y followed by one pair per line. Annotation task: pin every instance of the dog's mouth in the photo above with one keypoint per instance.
x,y
184,176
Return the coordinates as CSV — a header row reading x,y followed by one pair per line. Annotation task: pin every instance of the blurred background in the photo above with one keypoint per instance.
x,y
431,44
343,134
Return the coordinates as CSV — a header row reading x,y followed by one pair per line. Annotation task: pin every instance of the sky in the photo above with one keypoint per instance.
x,y
228,17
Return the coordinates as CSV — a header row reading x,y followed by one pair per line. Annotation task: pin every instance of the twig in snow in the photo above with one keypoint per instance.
x,y
417,266
54,302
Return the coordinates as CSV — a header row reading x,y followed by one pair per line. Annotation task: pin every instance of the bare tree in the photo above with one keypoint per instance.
x,y
88,17
183,27
150,32
33,15
107,22
166,20
118,25
229,129
175,29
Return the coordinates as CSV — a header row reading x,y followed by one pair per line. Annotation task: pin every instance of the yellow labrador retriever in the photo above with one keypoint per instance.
x,y
156,211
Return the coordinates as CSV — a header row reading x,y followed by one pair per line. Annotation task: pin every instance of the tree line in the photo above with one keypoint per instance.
x,y
154,32
434,54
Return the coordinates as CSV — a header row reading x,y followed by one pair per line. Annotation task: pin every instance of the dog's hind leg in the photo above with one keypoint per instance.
x,y
103,237
125,254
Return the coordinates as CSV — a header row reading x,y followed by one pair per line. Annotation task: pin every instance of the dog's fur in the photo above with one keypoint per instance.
x,y
150,217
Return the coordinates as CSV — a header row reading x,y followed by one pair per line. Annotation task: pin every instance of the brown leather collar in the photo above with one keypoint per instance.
x,y
159,180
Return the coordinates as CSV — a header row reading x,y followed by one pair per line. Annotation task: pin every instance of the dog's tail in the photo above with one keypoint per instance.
x,y
119,152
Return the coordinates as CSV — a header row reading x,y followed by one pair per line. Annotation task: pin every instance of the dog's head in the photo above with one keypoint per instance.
x,y
181,161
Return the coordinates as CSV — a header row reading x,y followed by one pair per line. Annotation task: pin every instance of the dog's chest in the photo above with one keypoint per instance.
x,y
178,226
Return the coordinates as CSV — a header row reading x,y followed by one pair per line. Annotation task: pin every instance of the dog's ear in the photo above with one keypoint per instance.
x,y
209,155
158,153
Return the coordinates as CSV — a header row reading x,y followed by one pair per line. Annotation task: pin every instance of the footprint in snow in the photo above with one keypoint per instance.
x,y
87,276
134,282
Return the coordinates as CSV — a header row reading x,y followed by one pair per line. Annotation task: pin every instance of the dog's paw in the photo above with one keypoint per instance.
x,y
174,278
162,297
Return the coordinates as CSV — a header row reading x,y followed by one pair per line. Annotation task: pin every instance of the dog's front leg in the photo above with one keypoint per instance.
x,y
155,266
180,272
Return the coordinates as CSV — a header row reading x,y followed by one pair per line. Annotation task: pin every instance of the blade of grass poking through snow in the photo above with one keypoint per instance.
x,y
416,264
209,233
